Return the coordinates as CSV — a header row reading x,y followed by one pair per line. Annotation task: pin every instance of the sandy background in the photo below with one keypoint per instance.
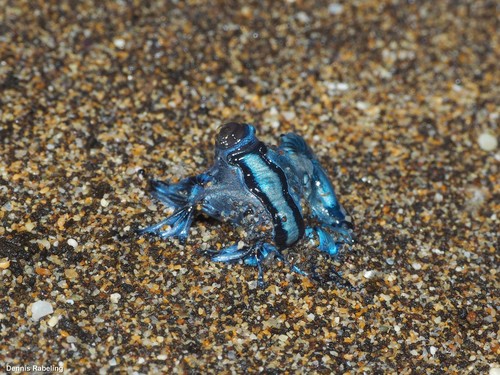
x,y
393,96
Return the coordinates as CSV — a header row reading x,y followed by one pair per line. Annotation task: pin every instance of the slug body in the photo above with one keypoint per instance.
x,y
262,189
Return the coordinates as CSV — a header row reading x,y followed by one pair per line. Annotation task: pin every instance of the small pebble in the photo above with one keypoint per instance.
x,y
115,297
29,226
4,263
337,86
132,170
369,274
288,115
303,17
119,43
363,106
45,243
53,321
335,8
39,309
487,142
71,273
72,242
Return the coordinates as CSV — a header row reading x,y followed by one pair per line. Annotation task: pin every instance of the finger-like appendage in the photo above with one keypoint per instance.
x,y
184,193
326,242
179,224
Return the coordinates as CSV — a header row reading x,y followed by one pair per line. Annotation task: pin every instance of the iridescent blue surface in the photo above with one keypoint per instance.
x,y
255,186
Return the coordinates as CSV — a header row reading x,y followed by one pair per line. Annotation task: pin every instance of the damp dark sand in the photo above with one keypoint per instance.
x,y
393,96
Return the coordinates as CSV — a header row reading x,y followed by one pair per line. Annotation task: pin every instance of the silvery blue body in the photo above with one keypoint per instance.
x,y
256,186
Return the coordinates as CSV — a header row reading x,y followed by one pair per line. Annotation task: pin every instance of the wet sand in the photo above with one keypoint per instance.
x,y
392,96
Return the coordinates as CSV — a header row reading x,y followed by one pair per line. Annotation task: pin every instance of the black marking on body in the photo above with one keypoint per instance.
x,y
251,180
